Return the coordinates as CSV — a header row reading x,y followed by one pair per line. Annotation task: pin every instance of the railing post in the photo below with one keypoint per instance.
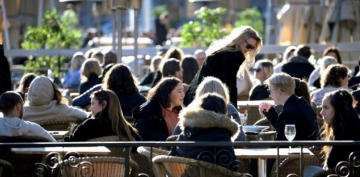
x,y
151,163
301,160
277,161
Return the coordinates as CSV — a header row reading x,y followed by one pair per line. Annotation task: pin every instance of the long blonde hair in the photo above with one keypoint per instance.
x,y
76,61
232,42
213,85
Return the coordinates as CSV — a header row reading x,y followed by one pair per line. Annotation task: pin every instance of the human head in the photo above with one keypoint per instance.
x,y
280,85
121,80
263,69
105,70
174,53
334,52
238,40
11,104
288,53
212,85
110,57
335,75
163,90
304,51
42,91
171,68
105,104
200,56
301,89
90,67
76,61
89,53
155,63
164,17
213,102
99,57
189,67
326,61
161,51
25,82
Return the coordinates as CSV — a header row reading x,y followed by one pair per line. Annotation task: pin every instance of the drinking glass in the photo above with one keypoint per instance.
x,y
243,118
290,132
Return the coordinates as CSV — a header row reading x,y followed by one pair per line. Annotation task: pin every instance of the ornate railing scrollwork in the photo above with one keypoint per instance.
x,y
350,167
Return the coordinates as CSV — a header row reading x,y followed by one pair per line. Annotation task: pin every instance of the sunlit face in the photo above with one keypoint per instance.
x,y
327,111
248,45
345,81
95,106
179,74
177,95
259,72
274,93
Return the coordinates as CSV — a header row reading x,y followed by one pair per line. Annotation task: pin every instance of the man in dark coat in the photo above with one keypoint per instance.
x,y
5,76
223,65
299,66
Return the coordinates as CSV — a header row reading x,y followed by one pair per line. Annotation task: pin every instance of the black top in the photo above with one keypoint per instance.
x,y
223,65
298,67
147,79
259,92
298,112
92,80
5,76
160,32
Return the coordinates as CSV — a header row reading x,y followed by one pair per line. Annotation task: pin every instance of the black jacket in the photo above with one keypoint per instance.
x,y
148,120
92,80
299,67
203,125
298,112
349,130
5,76
223,65
259,92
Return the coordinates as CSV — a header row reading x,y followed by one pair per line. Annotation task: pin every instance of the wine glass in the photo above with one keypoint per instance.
x,y
290,132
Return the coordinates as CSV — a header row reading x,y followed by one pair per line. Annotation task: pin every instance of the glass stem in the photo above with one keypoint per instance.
x,y
289,149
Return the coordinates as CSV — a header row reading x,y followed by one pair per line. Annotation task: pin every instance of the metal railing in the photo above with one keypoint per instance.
x,y
128,144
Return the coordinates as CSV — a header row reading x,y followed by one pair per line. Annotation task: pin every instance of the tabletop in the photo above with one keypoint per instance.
x,y
267,153
96,150
253,103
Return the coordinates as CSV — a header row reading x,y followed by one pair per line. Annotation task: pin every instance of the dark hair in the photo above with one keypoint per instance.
x,y
110,57
334,50
301,89
190,67
25,82
169,67
113,111
175,53
305,51
162,90
8,101
213,102
333,75
120,79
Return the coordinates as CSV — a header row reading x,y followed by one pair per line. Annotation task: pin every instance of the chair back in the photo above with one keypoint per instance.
x,y
292,166
179,166
60,124
104,166
116,150
6,169
143,158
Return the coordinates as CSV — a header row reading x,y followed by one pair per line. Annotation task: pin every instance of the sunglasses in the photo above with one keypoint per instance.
x,y
249,46
257,70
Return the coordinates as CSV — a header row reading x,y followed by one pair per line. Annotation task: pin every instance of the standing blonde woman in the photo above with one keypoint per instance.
x,y
224,58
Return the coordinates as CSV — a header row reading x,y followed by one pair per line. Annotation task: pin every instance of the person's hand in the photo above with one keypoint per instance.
x,y
264,106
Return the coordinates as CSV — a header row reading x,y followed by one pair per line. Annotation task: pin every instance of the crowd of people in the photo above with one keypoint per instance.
x,y
194,97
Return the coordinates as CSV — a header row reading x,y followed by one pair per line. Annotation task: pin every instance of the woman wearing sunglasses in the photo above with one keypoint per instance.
x,y
224,58
263,70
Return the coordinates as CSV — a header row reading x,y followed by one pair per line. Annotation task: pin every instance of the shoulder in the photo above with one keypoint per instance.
x,y
149,107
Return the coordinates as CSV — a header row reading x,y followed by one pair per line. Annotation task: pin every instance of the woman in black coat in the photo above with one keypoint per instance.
x,y
156,119
205,120
224,58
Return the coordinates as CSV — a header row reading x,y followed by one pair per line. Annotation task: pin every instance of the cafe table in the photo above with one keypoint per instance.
x,y
253,103
91,150
262,154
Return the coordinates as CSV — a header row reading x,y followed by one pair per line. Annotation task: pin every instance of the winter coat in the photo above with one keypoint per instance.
x,y
5,76
203,125
91,81
299,67
259,92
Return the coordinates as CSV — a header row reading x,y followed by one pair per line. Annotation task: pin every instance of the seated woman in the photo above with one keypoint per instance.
x,y
45,102
156,119
341,122
263,70
107,119
335,77
189,66
205,120
25,83
90,71
154,68
214,85
72,79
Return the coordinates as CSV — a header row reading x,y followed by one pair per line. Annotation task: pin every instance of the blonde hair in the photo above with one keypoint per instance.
x,y
89,67
266,66
210,85
76,61
282,81
232,42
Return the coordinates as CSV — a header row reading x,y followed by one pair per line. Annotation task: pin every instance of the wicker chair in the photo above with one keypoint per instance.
x,y
60,124
103,166
292,166
143,158
6,169
115,151
23,163
173,166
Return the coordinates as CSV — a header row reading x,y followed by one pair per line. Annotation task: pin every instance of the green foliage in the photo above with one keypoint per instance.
x,y
202,33
53,34
251,17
